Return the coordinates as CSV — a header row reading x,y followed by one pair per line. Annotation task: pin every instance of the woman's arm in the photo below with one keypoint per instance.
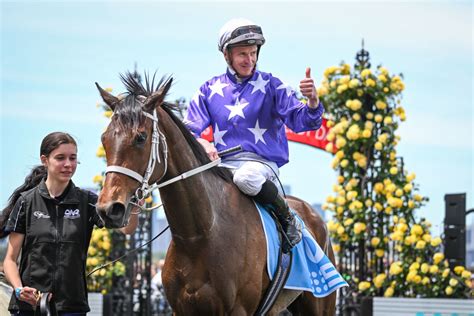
x,y
10,267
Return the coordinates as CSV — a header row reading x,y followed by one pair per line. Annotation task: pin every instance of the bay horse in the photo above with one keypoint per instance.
x,y
216,261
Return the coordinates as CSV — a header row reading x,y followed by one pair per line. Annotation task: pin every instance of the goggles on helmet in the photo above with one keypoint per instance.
x,y
244,35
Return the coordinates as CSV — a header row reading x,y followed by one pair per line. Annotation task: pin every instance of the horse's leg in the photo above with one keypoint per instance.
x,y
307,304
285,298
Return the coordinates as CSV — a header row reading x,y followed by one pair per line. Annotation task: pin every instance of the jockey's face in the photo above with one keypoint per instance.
x,y
242,59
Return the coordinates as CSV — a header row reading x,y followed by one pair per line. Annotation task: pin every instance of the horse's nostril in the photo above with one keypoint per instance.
x,y
116,210
114,215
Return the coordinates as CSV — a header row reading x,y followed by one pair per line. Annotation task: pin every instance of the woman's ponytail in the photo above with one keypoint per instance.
x,y
32,180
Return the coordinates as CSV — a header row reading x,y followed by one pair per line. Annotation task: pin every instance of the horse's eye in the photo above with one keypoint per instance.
x,y
140,138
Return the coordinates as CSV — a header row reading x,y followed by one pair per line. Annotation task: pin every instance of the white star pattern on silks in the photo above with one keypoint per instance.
x,y
286,87
217,87
218,136
196,96
237,109
259,84
258,133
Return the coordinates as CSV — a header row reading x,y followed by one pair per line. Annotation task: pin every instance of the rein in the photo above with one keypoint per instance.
x,y
145,189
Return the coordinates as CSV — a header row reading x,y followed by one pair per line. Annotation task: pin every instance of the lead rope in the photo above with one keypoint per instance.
x,y
130,251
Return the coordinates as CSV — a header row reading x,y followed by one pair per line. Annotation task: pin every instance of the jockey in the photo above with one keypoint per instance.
x,y
249,107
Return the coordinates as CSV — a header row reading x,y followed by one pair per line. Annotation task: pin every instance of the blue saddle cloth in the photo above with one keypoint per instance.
x,y
311,269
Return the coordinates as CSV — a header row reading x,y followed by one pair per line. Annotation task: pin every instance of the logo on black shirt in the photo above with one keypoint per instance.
x,y
39,214
72,214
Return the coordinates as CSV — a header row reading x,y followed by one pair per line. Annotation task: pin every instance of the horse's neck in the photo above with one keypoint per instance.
x,y
189,208
190,204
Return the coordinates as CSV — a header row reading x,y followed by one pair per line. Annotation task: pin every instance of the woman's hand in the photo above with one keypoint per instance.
x,y
29,295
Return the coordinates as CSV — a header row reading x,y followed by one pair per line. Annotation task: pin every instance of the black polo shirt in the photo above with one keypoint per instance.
x,y
54,251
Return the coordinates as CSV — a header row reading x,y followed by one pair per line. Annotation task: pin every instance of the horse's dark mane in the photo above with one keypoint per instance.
x,y
129,113
197,149
134,86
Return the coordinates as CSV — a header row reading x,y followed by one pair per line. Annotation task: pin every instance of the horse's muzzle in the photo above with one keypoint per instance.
x,y
115,215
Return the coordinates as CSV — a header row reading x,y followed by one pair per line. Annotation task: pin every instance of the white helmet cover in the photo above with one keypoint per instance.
x,y
240,31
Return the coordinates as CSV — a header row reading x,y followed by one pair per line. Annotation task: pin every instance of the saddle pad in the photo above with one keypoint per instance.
x,y
311,269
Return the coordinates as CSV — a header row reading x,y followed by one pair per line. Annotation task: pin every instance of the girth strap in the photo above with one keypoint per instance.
x,y
279,278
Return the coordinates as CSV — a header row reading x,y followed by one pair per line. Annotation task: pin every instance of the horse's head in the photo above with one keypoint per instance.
x,y
133,146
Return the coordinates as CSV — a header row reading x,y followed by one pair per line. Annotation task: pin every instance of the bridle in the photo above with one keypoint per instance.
x,y
144,190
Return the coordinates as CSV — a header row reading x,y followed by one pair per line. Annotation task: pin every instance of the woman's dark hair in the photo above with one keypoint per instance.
x,y
49,143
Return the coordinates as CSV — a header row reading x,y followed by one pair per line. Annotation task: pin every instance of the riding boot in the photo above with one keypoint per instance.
x,y
269,195
291,226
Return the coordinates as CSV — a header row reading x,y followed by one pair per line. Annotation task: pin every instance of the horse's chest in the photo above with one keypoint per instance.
x,y
201,298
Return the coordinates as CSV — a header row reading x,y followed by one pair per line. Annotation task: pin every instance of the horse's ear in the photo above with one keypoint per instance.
x,y
108,98
158,97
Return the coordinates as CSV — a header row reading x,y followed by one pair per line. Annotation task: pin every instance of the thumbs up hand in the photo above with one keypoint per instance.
x,y
308,90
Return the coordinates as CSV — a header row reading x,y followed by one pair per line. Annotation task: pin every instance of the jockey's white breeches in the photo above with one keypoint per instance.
x,y
251,171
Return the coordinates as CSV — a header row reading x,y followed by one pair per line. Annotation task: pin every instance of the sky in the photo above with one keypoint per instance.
x,y
52,52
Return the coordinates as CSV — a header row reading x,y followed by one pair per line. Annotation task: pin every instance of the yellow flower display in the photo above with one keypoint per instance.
x,y
416,230
375,241
359,228
395,268
435,242
449,290
98,179
100,152
389,292
329,147
438,257
459,269
453,282
365,73
434,269
379,280
376,197
380,105
364,285
379,253
108,113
